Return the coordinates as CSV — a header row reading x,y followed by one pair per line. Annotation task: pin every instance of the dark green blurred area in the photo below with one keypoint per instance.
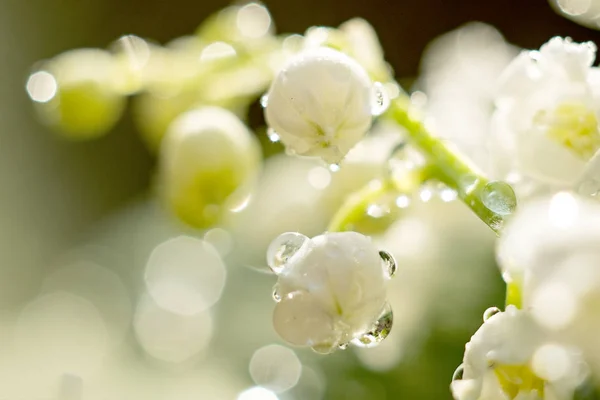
x,y
53,190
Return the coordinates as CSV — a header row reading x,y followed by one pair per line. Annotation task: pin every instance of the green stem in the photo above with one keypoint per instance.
x,y
513,294
453,168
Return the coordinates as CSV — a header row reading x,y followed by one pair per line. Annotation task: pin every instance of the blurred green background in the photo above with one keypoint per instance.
x,y
57,195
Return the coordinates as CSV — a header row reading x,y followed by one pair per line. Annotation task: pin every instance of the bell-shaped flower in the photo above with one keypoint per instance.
x,y
511,357
550,251
331,290
208,161
321,104
545,127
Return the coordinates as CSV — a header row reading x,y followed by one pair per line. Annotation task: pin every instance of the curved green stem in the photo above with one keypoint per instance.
x,y
454,169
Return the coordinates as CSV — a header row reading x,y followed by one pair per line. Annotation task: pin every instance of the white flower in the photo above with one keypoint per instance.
x,y
511,357
551,249
320,104
545,127
208,160
332,289
584,12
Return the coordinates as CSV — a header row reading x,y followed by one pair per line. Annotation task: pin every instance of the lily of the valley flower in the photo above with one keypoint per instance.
x,y
511,357
208,160
551,250
331,290
321,104
545,127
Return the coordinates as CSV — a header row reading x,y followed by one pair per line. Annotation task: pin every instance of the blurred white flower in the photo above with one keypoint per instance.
x,y
331,289
510,357
545,127
458,71
584,12
208,161
320,104
551,249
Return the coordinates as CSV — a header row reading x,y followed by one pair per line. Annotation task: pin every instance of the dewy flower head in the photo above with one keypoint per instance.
x,y
546,122
331,290
321,104
208,161
510,357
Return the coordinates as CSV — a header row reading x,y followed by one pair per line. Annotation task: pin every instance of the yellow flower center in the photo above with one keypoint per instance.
x,y
572,125
515,379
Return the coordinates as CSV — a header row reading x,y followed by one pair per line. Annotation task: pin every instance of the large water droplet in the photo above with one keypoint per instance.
x,y
458,373
389,263
490,312
276,295
273,136
499,197
264,101
381,99
380,330
282,249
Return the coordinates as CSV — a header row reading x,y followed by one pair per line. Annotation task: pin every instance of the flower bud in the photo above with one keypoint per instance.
x,y
320,104
331,289
208,160
76,93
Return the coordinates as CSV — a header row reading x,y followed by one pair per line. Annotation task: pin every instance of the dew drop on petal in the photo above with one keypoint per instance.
x,y
264,101
381,99
276,295
499,197
273,136
343,346
490,312
380,330
282,248
458,373
389,263
323,349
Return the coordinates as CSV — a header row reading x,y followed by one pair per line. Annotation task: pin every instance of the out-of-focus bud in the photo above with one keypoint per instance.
x,y
321,104
584,12
77,93
331,290
208,161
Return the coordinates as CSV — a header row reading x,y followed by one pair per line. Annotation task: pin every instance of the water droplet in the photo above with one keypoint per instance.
x,y
380,330
264,101
334,167
490,312
468,183
381,99
589,188
389,263
499,197
343,346
458,373
273,136
282,249
276,295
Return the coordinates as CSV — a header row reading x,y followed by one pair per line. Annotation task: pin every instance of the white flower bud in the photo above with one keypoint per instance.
x,y
545,126
208,159
511,357
320,104
331,290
